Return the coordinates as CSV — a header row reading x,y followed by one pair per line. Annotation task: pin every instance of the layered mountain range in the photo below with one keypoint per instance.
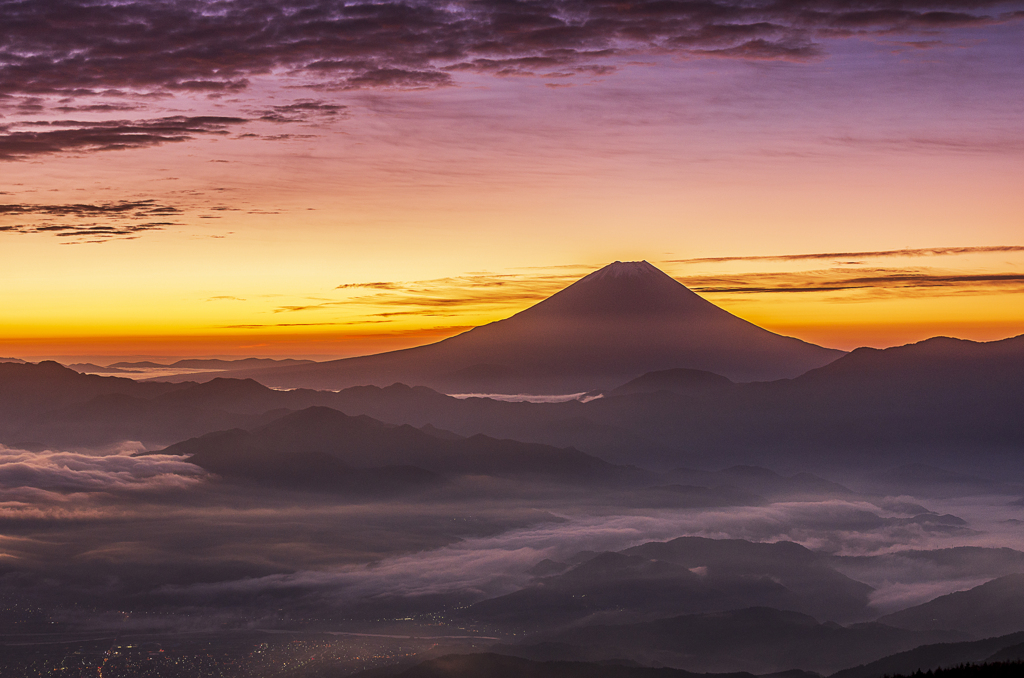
x,y
918,404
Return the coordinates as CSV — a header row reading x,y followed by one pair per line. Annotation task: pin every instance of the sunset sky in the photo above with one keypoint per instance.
x,y
319,179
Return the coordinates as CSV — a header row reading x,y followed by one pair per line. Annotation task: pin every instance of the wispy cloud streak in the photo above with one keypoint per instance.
x,y
31,139
897,282
113,220
875,254
69,472
445,296
498,294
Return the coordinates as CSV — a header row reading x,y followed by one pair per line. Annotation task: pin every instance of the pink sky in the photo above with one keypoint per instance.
x,y
209,185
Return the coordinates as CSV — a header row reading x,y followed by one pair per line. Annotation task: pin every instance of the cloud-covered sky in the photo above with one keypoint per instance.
x,y
159,154
75,47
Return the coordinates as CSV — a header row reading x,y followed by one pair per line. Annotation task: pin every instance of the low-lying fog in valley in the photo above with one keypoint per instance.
x,y
106,542
117,518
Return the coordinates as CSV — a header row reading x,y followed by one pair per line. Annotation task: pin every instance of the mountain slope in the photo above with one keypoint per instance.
x,y
687,575
679,380
758,640
923,403
615,324
502,666
824,592
320,446
992,609
931,657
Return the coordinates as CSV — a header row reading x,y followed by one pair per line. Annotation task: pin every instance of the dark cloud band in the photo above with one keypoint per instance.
x,y
89,46
44,138
123,219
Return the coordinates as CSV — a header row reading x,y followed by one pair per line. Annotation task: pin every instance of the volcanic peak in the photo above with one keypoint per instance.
x,y
634,289
625,269
624,320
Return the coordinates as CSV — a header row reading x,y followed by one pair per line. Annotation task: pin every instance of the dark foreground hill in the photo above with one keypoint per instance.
x,y
29,388
489,665
679,380
933,657
822,591
615,324
759,640
959,563
683,576
323,448
1011,669
992,609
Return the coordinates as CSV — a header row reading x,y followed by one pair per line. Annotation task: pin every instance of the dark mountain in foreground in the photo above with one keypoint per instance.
x,y
823,592
622,321
683,576
27,389
955,564
490,665
1012,653
51,404
621,588
931,657
758,640
320,447
992,609
1008,669
679,380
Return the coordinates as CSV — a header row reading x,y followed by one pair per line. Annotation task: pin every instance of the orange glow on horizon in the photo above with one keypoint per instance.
x,y
303,346
880,299
88,349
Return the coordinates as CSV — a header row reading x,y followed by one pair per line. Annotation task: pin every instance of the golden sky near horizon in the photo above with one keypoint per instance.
x,y
275,207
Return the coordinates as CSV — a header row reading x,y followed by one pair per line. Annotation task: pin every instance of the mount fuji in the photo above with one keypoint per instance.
x,y
611,326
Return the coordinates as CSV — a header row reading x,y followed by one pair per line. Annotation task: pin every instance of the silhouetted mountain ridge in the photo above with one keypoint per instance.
x,y
679,380
622,321
213,363
318,443
758,640
683,576
491,665
866,409
991,609
934,656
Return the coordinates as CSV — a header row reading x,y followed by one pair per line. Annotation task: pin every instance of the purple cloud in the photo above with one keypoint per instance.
x,y
43,138
75,46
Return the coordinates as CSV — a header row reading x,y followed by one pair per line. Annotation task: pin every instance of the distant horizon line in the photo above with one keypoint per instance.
x,y
843,305
107,360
